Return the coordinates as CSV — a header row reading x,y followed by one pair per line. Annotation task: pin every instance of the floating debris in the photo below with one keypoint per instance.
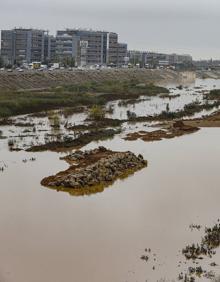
x,y
195,226
145,258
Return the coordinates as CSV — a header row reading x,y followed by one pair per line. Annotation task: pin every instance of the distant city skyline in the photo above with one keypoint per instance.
x,y
183,27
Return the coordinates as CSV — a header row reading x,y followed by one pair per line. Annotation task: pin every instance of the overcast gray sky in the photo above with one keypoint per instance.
x,y
181,26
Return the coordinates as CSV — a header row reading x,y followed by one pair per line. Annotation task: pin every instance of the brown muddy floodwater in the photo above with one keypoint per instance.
x,y
49,236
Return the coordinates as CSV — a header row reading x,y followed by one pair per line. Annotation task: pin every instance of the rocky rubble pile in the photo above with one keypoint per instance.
x,y
95,167
79,156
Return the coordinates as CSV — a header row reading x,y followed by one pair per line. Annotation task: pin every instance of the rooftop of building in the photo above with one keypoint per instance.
x,y
86,30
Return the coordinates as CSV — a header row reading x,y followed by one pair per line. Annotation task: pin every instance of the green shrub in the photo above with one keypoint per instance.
x,y
96,113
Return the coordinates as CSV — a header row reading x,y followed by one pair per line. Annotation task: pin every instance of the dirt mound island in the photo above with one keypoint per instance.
x,y
91,171
177,128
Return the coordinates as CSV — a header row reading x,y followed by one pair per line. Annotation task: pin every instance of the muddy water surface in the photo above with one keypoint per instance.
x,y
191,92
50,236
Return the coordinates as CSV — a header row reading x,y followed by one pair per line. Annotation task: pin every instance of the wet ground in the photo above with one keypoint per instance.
x,y
155,105
51,236
43,128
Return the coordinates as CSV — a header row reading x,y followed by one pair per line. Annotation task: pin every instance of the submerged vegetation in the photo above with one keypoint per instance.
x,y
84,94
188,110
74,143
97,113
209,243
97,124
214,94
197,252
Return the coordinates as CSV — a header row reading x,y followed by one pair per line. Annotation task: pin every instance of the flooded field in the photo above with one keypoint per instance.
x,y
192,92
52,236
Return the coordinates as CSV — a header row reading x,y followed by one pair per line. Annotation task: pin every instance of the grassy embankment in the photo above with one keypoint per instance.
x,y
87,94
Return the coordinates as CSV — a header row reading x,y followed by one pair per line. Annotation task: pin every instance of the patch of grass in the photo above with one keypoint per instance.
x,y
15,103
97,113
85,94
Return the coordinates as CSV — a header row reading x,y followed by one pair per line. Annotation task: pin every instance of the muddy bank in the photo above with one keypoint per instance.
x,y
212,120
177,128
92,171
99,124
69,143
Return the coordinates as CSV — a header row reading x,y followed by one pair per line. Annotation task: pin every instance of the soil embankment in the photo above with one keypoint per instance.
x,y
30,80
